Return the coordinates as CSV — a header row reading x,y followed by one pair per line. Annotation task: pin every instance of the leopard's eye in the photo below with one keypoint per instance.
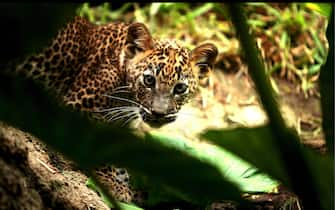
x,y
180,88
149,80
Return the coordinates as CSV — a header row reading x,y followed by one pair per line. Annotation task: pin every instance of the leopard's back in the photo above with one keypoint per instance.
x,y
76,45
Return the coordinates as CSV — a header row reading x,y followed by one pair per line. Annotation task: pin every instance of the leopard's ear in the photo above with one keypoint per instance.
x,y
204,57
138,39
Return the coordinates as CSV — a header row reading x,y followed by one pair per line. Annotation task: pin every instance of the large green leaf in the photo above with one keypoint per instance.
x,y
255,146
232,167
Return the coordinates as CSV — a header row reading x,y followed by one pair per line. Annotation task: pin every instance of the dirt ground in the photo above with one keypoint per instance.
x,y
33,177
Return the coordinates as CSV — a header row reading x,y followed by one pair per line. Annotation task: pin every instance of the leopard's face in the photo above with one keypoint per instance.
x,y
165,77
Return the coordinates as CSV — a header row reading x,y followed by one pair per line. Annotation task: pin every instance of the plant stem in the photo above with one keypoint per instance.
x,y
285,140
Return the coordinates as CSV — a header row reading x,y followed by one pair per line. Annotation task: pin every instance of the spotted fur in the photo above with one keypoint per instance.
x,y
87,62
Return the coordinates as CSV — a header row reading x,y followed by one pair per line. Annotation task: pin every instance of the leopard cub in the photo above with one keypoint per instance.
x,y
118,71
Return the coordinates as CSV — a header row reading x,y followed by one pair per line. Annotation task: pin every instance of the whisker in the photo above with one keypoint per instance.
x,y
127,100
130,119
121,87
113,108
110,115
123,99
126,109
120,117
119,112
120,91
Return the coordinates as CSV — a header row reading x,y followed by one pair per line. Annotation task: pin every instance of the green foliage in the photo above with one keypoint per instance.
x,y
199,174
188,23
323,8
102,13
284,28
246,143
234,169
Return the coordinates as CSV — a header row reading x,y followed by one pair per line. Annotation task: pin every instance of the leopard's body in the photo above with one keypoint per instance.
x,y
117,68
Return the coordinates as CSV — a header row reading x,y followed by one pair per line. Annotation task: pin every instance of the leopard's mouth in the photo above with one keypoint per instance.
x,y
157,120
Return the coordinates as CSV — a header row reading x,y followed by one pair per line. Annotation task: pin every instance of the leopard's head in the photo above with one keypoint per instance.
x,y
162,74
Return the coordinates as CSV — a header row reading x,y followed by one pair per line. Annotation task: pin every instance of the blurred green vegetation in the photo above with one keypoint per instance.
x,y
25,105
